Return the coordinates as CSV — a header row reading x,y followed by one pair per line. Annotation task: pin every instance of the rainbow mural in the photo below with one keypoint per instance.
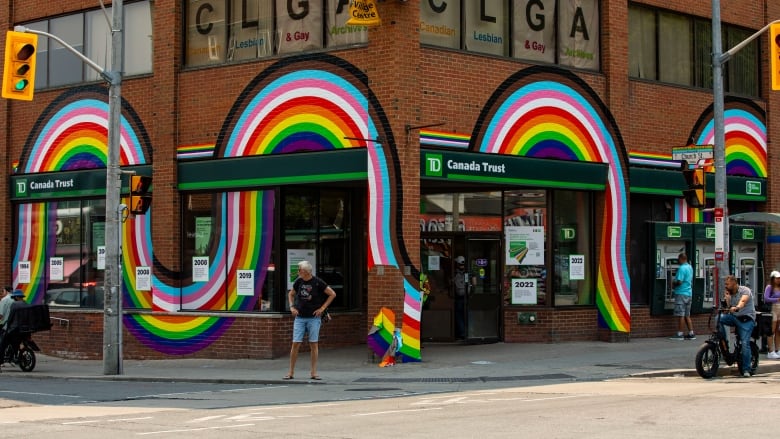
x,y
532,116
70,134
744,124
299,104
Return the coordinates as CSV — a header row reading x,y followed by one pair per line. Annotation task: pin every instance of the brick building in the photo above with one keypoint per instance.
x,y
534,138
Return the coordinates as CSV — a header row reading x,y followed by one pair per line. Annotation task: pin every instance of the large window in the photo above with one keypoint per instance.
x,y
89,33
572,248
564,32
317,227
221,31
677,49
74,279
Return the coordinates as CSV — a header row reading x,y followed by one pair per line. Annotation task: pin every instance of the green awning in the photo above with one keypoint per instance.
x,y
511,170
273,170
671,182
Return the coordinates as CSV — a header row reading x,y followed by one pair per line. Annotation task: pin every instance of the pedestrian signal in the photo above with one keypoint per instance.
x,y
695,195
140,195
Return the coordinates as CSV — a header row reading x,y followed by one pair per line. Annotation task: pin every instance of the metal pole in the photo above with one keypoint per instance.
x,y
719,149
112,311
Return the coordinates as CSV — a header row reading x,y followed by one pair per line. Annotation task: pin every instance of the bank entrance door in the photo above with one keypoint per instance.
x,y
465,299
483,304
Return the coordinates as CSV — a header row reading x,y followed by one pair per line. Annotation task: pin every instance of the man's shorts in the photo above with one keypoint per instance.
x,y
775,312
302,325
682,305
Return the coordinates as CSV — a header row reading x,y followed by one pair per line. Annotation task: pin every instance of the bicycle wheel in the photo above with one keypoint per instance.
x,y
707,360
26,360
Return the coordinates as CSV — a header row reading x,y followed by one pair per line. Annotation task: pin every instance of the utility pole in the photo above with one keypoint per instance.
x,y
719,154
722,250
112,307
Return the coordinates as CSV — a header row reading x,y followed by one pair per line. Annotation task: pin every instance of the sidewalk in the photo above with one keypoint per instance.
x,y
588,360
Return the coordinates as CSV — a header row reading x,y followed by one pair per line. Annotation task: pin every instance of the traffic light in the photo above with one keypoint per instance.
x,y
19,66
140,197
695,194
774,44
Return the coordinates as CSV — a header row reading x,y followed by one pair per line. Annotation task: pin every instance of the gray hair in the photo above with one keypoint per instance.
x,y
305,266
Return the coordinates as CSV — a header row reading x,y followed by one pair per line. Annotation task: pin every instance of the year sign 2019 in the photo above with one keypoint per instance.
x,y
364,11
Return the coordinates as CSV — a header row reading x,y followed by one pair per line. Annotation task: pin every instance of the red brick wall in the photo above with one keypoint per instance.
x,y
80,336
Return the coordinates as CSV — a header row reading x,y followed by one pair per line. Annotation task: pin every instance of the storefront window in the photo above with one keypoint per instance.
x,y
72,274
317,228
525,233
572,248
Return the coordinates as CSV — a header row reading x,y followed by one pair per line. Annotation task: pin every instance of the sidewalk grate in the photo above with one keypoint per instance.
x,y
450,380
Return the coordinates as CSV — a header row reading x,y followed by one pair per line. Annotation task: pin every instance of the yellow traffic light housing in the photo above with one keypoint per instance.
x,y
774,51
140,194
19,66
695,195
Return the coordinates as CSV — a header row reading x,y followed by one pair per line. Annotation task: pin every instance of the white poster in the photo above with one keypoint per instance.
x,y
576,267
525,245
534,33
440,24
434,263
339,34
56,269
293,257
299,27
578,33
101,257
200,268
486,30
245,282
524,291
143,279
24,272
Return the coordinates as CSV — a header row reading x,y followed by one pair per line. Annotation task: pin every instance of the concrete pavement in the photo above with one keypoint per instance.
x,y
587,360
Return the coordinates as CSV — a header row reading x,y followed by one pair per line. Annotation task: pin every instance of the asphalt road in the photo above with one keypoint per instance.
x,y
669,407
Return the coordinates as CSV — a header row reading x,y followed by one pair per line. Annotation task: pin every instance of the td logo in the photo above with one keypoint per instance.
x,y
433,165
21,188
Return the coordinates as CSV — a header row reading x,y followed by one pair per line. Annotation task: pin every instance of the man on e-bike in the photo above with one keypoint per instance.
x,y
742,315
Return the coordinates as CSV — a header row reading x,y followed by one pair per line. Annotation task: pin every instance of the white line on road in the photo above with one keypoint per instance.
x,y
106,420
39,394
396,411
206,418
184,430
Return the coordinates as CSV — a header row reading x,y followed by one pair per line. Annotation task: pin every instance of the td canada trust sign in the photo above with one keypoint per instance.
x,y
72,184
441,165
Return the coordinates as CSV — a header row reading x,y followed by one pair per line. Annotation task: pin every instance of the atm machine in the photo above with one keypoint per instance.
x,y
704,274
668,240
747,256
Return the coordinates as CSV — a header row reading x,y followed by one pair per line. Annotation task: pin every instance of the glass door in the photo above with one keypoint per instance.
x,y
483,303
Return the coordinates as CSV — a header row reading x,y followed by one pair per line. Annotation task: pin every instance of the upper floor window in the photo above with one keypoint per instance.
x,y
677,49
563,32
89,33
220,31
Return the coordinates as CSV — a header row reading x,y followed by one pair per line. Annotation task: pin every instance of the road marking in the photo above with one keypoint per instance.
x,y
206,418
184,430
106,420
396,411
39,394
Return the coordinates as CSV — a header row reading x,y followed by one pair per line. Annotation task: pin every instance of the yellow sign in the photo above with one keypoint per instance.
x,y
363,13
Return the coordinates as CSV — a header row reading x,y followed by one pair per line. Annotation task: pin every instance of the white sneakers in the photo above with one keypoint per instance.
x,y
773,356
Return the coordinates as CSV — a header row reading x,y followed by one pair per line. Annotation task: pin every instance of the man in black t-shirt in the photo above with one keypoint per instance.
x,y
309,297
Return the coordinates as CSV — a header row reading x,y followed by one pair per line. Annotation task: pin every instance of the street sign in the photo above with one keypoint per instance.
x,y
692,153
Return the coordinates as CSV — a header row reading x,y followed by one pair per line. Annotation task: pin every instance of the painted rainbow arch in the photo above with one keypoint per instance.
x,y
745,129
549,113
